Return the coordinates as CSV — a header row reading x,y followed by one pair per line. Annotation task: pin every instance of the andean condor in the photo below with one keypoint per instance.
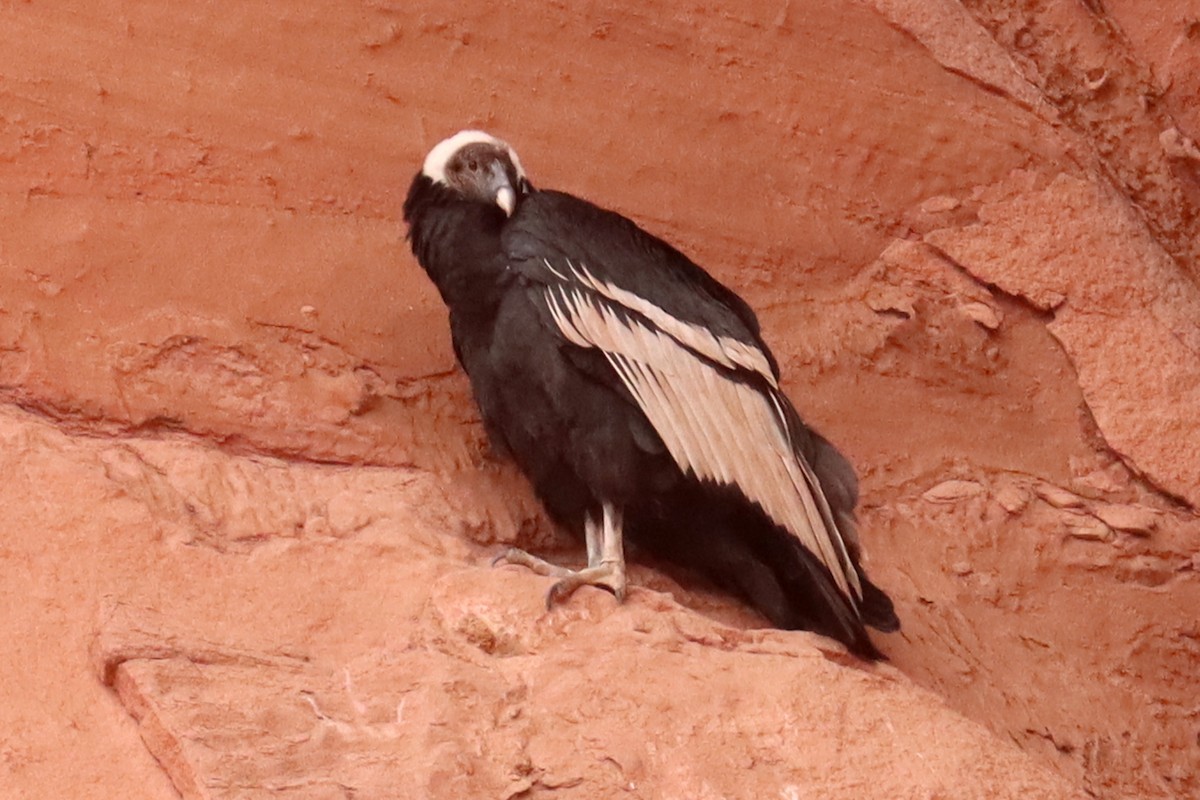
x,y
636,393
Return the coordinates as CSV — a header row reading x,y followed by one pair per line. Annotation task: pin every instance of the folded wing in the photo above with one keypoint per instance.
x,y
712,399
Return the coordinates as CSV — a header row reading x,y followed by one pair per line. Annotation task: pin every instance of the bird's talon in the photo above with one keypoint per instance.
x,y
606,577
561,590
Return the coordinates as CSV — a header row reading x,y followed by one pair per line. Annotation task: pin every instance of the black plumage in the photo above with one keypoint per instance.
x,y
637,395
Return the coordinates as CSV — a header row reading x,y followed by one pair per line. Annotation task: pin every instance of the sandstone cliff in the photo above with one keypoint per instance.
x,y
248,511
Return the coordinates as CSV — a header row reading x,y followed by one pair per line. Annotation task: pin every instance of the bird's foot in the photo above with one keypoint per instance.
x,y
541,566
610,575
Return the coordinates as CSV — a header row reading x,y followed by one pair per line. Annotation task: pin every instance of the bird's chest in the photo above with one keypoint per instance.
x,y
513,359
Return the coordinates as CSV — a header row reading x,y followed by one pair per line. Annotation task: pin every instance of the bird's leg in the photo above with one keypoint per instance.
x,y
606,560
592,533
609,572
614,547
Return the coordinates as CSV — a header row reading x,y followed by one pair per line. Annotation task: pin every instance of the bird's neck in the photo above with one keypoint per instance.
x,y
458,245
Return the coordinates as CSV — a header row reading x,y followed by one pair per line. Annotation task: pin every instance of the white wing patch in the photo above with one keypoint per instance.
x,y
724,350
718,429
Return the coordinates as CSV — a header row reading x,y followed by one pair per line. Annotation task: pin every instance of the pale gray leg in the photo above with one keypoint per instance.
x,y
595,540
606,560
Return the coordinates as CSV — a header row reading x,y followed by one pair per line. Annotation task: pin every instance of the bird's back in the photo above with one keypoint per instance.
x,y
713,527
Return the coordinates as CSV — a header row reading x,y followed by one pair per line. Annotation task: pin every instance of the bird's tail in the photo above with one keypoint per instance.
x,y
788,584
876,608
714,529
812,601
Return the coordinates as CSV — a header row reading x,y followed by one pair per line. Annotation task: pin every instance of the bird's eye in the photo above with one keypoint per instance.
x,y
473,166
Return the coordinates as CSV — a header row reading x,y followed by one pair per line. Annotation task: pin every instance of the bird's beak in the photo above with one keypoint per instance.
x,y
506,196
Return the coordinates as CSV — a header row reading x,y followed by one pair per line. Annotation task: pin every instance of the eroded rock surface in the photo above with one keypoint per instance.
x,y
248,508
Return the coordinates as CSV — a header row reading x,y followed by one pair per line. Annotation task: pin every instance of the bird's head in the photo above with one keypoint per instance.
x,y
478,167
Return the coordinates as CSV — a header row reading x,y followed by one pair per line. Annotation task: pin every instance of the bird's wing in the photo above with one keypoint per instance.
x,y
726,350
632,268
712,399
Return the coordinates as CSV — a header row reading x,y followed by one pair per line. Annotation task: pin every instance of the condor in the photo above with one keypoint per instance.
x,y
637,395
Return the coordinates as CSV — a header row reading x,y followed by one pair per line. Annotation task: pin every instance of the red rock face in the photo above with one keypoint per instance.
x,y
248,507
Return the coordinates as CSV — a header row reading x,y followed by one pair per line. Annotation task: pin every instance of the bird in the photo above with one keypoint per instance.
x,y
637,395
